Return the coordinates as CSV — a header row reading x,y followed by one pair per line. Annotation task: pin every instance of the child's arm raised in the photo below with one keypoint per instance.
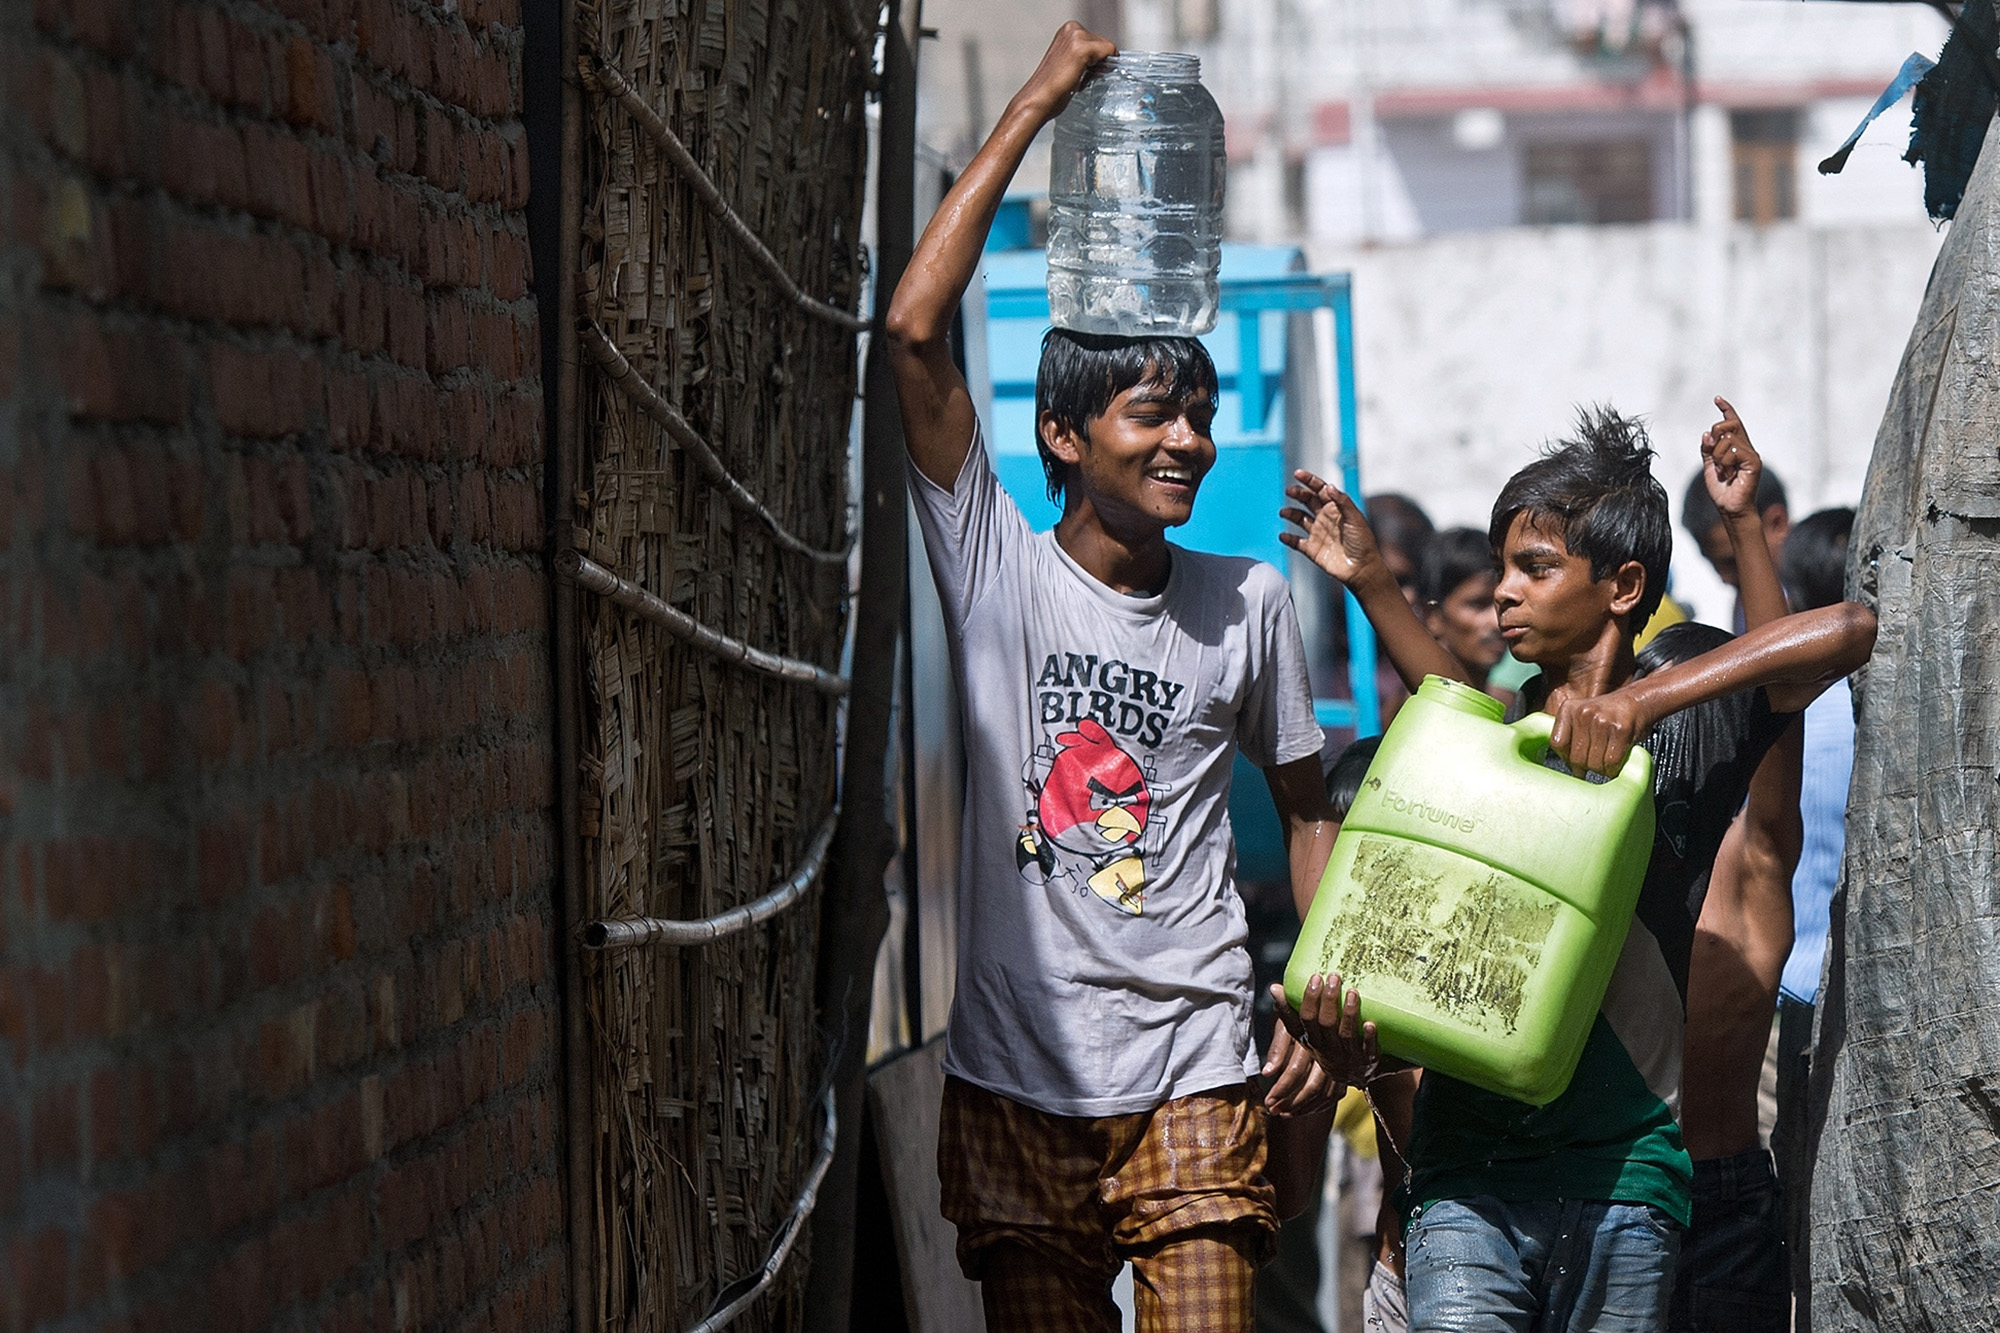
x,y
936,407
1335,536
1793,658
1731,468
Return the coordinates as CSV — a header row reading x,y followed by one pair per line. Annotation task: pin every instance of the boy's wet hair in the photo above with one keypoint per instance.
x,y
1343,780
1453,556
1597,489
1815,570
1699,515
1082,372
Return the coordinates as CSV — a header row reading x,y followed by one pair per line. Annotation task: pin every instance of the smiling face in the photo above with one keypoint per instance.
x,y
1140,464
1551,610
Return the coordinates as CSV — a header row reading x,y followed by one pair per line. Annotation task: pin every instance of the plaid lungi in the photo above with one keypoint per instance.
x,y
1049,1207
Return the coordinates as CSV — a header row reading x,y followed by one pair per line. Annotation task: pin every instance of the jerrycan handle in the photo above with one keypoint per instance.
x,y
1531,741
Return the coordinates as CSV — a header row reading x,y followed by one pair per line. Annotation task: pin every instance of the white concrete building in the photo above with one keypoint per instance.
x,y
1369,120
1473,348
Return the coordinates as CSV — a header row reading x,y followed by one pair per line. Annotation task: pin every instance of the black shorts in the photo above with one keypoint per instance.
x,y
1733,1276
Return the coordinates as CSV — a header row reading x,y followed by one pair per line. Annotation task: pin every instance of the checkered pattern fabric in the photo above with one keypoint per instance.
x,y
1047,1208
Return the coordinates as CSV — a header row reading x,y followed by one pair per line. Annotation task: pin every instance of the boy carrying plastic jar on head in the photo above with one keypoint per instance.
x,y
1098,1105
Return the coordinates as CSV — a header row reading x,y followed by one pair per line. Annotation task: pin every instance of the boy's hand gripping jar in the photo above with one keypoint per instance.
x,y
1478,899
1135,200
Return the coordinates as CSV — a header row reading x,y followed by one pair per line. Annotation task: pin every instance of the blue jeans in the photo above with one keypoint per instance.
x,y
1482,1265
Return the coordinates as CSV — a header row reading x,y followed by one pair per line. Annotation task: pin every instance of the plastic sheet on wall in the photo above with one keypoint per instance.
x,y
1906,1191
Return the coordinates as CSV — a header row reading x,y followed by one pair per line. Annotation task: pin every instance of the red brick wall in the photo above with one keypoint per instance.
x,y
279,1038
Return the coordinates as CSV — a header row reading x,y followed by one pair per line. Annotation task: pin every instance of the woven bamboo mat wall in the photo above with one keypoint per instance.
x,y
702,782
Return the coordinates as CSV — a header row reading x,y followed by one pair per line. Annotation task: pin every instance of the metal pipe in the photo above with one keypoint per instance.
x,y
788,1233
593,577
587,574
1360,630
632,931
711,198
613,363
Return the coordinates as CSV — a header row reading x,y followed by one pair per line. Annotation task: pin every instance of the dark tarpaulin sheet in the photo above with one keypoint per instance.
x,y
1906,1190
1953,106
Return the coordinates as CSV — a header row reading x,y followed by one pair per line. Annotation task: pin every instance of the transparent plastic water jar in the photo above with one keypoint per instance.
x,y
1135,200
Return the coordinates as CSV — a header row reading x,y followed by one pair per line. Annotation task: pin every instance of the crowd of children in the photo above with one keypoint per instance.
x,y
1106,1102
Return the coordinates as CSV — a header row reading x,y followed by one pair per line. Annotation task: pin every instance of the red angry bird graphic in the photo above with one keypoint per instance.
x,y
1093,804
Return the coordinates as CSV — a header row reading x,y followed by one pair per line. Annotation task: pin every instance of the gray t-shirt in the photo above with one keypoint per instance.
x,y
1101,960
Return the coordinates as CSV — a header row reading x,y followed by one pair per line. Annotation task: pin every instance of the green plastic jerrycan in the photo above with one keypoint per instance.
x,y
1478,899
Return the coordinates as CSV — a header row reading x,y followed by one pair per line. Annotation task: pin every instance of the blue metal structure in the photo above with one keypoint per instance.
x,y
1237,514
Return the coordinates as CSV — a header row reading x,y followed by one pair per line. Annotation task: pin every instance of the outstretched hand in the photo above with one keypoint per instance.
x,y
1328,1027
1730,465
1334,533
1069,57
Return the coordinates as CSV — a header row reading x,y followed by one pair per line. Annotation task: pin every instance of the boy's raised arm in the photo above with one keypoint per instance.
x,y
1731,468
936,407
1793,657
1334,534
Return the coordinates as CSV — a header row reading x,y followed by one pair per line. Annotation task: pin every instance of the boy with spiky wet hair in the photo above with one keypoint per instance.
x,y
1568,1216
1098,1105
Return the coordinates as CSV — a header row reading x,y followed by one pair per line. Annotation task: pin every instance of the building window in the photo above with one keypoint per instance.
x,y
1761,150
1589,182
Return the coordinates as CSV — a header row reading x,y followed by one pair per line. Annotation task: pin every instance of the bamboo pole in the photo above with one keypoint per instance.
x,y
560,470
788,1234
855,912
